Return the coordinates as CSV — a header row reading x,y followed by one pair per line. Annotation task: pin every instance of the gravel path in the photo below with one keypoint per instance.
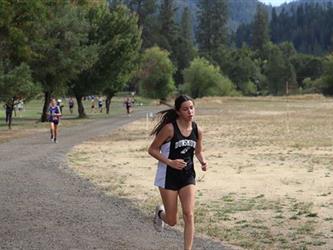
x,y
43,205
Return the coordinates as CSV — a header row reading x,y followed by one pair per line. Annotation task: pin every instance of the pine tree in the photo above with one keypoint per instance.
x,y
260,28
186,25
274,26
212,31
184,50
146,10
168,28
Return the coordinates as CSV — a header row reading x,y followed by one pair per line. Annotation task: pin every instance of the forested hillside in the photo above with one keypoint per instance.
x,y
273,39
240,11
308,26
145,45
243,11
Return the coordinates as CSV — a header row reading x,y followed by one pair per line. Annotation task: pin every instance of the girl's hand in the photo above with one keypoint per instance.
x,y
204,166
178,164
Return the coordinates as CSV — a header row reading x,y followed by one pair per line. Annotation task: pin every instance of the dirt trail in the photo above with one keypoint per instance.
x,y
43,205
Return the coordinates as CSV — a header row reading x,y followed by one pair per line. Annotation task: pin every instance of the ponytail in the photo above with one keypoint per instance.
x,y
166,116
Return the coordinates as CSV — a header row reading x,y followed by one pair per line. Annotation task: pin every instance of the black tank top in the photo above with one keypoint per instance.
x,y
182,147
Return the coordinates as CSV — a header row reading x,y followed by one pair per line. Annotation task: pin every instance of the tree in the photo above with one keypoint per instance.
x,y
83,84
62,52
118,38
274,26
168,29
156,74
326,81
212,31
186,26
279,70
18,34
204,79
260,28
239,66
184,49
287,49
243,35
148,20
16,84
306,66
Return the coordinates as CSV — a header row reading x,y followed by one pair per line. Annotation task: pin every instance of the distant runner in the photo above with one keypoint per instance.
x,y
100,104
128,105
54,118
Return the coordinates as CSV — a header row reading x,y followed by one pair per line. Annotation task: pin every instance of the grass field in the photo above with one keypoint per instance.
x,y
27,121
270,178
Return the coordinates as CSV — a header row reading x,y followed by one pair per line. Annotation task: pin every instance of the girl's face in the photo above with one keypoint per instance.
x,y
53,102
186,111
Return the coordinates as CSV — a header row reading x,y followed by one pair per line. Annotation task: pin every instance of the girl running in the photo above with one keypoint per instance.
x,y
177,139
128,105
54,118
100,104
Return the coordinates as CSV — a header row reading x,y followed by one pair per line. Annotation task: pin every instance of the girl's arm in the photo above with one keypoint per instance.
x,y
199,151
164,135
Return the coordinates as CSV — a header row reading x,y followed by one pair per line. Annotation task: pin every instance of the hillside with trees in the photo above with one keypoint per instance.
x,y
309,27
81,48
269,61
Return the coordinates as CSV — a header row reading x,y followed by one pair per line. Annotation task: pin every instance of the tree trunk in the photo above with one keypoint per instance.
x,y
47,97
80,107
10,118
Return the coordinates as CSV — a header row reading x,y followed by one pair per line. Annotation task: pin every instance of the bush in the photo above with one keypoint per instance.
x,y
204,79
249,88
326,81
155,74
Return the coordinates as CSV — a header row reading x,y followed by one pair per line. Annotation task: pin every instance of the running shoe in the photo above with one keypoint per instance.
x,y
158,222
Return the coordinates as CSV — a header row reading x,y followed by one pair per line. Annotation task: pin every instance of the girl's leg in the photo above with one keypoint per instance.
x,y
52,130
169,198
55,132
187,196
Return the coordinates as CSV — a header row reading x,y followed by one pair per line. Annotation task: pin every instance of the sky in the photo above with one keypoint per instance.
x,y
275,2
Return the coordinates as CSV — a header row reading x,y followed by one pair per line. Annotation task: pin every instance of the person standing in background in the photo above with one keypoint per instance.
x,y
71,104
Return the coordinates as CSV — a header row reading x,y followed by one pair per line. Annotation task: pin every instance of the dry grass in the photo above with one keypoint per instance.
x,y
270,178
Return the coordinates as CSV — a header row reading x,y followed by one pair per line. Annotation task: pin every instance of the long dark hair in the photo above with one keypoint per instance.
x,y
169,115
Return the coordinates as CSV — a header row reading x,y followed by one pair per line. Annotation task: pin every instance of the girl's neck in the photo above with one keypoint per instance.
x,y
184,124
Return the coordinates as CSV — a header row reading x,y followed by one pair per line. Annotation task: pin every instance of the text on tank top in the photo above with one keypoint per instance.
x,y
182,147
